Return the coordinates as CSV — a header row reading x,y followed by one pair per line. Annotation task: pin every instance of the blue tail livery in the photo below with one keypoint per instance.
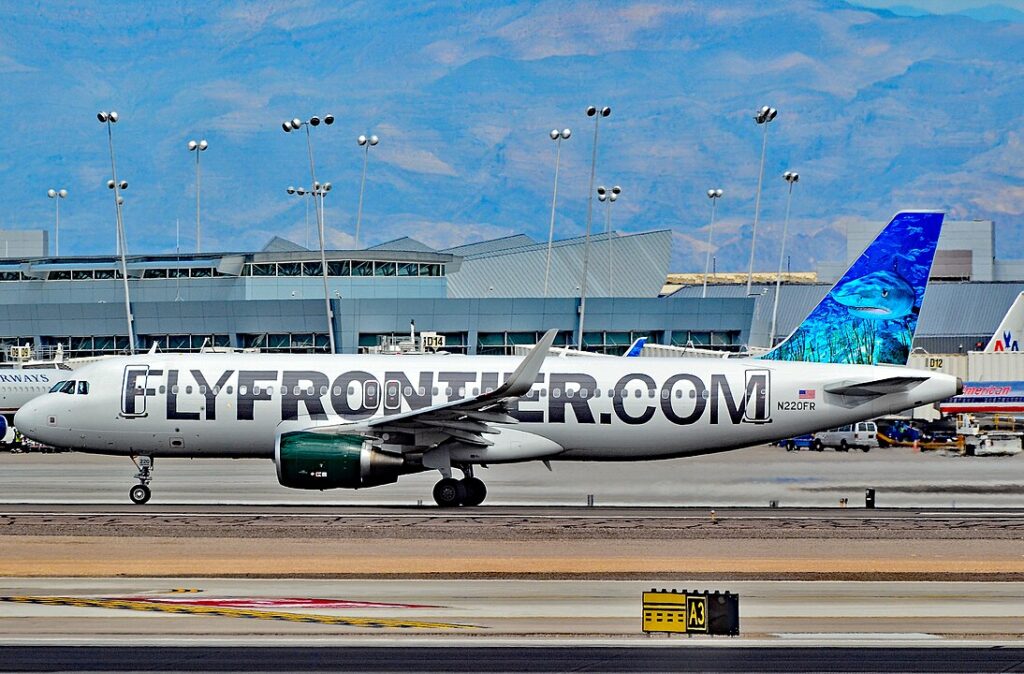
x,y
635,349
870,316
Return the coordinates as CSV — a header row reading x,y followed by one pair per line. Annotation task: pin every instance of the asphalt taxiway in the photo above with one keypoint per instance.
x,y
228,562
749,477
218,611
472,658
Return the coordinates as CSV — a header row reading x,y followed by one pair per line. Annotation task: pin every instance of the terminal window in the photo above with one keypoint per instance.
x,y
505,343
723,340
615,343
285,342
91,345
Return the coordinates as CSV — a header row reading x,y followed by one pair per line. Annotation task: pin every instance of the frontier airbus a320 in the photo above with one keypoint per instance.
x,y
331,421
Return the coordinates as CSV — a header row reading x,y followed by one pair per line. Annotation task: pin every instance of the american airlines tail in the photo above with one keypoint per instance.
x,y
1010,328
870,316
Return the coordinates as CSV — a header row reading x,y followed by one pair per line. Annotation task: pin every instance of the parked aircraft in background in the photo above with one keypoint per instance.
x,y
995,397
1010,329
636,347
330,421
987,397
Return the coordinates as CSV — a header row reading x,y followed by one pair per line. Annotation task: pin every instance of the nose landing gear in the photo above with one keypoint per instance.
x,y
141,493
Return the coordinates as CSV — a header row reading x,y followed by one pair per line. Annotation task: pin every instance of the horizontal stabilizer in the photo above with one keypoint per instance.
x,y
873,389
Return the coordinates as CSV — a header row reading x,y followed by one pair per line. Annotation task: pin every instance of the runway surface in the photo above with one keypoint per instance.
x,y
504,659
307,572
217,611
748,477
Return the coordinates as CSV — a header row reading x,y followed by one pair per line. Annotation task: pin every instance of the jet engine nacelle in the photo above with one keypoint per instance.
x,y
321,461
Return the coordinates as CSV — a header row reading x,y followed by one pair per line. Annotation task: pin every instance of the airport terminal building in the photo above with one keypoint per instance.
x,y
485,297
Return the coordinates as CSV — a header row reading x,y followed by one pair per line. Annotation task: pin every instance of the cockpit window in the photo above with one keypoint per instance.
x,y
83,388
56,387
68,387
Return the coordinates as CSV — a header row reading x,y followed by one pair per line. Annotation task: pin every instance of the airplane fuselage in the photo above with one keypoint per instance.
x,y
580,408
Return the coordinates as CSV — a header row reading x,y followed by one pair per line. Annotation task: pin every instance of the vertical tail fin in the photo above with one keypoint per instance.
x,y
635,348
870,315
1010,328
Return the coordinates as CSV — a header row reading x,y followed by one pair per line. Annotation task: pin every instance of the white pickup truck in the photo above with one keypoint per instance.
x,y
862,435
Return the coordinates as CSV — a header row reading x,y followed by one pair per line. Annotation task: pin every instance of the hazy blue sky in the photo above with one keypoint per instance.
x,y
879,111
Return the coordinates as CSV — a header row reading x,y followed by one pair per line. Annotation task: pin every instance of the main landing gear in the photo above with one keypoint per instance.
x,y
469,491
141,493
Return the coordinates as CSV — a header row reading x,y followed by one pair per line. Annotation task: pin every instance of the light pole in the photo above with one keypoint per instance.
x,y
320,191
607,197
714,195
791,177
558,137
303,192
763,117
365,142
57,195
197,147
110,118
294,125
597,115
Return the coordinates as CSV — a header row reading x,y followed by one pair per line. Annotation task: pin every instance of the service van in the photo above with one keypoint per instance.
x,y
862,435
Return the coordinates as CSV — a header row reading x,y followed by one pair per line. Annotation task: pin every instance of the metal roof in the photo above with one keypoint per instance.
x,y
949,309
492,246
404,243
280,245
639,263
965,308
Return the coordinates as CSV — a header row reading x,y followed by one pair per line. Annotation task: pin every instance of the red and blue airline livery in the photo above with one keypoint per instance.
x,y
987,397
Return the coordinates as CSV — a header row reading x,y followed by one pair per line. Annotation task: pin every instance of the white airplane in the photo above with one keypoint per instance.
x,y
1010,328
995,397
330,421
18,385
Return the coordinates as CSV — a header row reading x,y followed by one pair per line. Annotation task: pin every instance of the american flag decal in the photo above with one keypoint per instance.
x,y
806,394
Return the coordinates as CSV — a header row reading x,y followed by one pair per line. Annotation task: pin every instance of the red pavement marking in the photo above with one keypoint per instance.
x,y
271,602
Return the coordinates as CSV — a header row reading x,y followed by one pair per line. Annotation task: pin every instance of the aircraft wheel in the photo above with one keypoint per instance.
x,y
449,493
476,491
139,494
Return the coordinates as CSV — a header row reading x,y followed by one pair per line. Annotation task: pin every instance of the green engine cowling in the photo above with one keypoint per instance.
x,y
320,461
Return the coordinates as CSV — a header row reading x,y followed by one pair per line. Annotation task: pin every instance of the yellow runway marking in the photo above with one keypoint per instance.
x,y
135,605
185,590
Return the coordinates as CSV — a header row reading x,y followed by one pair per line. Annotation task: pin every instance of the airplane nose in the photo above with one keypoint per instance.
x,y
28,420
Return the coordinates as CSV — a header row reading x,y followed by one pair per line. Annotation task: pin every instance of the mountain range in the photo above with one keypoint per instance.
x,y
879,110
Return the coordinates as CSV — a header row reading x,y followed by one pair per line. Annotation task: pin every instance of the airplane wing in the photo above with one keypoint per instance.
x,y
466,419
876,388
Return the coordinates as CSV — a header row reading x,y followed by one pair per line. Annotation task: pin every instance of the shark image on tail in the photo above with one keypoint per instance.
x,y
881,295
870,316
